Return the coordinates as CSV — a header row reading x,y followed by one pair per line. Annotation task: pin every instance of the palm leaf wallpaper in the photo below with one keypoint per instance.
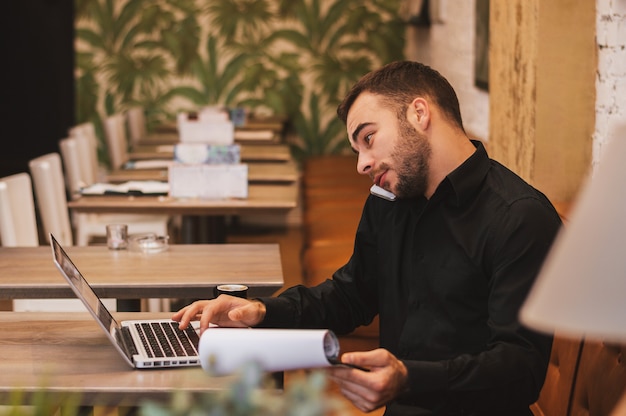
x,y
295,58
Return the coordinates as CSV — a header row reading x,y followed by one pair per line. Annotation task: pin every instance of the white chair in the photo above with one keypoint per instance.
x,y
137,124
78,154
75,151
90,166
118,145
18,221
116,140
49,184
138,129
18,226
75,178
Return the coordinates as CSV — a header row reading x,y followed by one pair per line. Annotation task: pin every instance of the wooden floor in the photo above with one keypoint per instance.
x,y
290,240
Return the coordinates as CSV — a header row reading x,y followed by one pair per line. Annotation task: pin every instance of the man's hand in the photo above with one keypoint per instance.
x,y
225,311
386,379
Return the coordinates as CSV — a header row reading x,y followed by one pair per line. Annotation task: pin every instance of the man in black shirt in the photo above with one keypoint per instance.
x,y
446,266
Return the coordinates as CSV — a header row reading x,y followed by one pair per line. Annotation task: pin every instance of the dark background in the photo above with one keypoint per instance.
x,y
37,52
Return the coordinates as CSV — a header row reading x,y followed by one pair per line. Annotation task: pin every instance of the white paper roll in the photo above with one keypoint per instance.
x,y
224,350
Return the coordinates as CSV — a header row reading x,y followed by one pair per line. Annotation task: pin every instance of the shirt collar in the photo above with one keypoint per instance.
x,y
463,182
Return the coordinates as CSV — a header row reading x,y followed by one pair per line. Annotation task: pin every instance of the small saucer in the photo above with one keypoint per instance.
x,y
148,243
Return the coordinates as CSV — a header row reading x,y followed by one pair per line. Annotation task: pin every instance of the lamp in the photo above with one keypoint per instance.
x,y
581,289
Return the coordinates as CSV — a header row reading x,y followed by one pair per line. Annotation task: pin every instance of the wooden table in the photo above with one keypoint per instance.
x,y
279,172
249,152
68,354
183,271
167,134
262,199
203,219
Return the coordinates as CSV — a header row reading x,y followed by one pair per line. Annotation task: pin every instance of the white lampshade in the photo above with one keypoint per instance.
x,y
581,289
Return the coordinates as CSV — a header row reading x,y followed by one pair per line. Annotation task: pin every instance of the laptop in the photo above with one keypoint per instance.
x,y
148,343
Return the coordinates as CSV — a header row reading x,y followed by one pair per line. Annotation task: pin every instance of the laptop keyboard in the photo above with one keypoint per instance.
x,y
165,339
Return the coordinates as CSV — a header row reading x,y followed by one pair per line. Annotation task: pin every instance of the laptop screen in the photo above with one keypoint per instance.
x,y
81,288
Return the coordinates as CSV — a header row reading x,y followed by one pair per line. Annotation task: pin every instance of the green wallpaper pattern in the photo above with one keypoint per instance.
x,y
290,57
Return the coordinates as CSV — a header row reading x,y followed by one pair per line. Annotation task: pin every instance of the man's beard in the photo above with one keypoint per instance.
x,y
411,156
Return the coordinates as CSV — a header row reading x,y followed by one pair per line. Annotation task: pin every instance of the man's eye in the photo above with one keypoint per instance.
x,y
368,138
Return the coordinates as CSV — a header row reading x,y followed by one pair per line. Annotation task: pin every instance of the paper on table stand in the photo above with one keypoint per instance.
x,y
194,153
224,350
208,181
206,129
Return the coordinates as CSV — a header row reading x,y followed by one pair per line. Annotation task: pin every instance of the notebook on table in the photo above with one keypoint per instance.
x,y
151,343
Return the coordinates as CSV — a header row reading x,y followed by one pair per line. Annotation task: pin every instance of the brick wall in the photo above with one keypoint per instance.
x,y
611,75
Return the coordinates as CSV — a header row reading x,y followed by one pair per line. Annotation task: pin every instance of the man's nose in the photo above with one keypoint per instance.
x,y
364,163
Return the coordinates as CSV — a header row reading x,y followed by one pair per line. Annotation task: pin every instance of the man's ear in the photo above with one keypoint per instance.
x,y
418,114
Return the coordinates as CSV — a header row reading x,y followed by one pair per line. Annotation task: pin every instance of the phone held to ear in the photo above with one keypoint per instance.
x,y
380,192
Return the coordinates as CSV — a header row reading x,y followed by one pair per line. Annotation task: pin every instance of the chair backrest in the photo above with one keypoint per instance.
x,y
78,154
18,221
86,128
137,126
555,395
600,379
74,175
117,142
49,184
88,150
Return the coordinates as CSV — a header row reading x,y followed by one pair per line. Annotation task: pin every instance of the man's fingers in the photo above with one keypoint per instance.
x,y
189,313
222,311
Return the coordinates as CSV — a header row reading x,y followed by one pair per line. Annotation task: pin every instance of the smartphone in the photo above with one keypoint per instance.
x,y
380,192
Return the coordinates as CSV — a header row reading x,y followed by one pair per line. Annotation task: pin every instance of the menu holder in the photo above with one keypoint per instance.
x,y
208,181
194,153
207,127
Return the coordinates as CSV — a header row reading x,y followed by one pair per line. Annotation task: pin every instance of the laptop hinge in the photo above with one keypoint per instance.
x,y
124,338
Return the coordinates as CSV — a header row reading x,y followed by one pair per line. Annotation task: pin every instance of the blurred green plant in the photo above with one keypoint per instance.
x,y
305,396
253,393
42,403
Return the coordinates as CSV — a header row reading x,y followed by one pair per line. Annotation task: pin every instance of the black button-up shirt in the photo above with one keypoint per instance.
x,y
447,277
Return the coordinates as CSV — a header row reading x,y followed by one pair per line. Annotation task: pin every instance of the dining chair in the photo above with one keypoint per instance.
x,y
18,221
78,154
90,166
138,130
137,124
116,140
75,151
18,228
75,174
49,184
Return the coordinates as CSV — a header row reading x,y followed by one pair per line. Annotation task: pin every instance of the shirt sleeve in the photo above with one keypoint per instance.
x,y
337,304
341,303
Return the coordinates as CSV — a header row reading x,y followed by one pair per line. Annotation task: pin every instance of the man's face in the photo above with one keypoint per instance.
x,y
391,151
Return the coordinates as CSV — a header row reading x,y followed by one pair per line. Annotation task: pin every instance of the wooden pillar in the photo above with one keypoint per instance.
x,y
542,91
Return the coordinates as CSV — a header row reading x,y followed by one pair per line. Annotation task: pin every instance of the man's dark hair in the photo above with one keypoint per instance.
x,y
399,83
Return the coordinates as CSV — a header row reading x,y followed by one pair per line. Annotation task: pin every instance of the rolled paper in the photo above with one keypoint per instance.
x,y
224,350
